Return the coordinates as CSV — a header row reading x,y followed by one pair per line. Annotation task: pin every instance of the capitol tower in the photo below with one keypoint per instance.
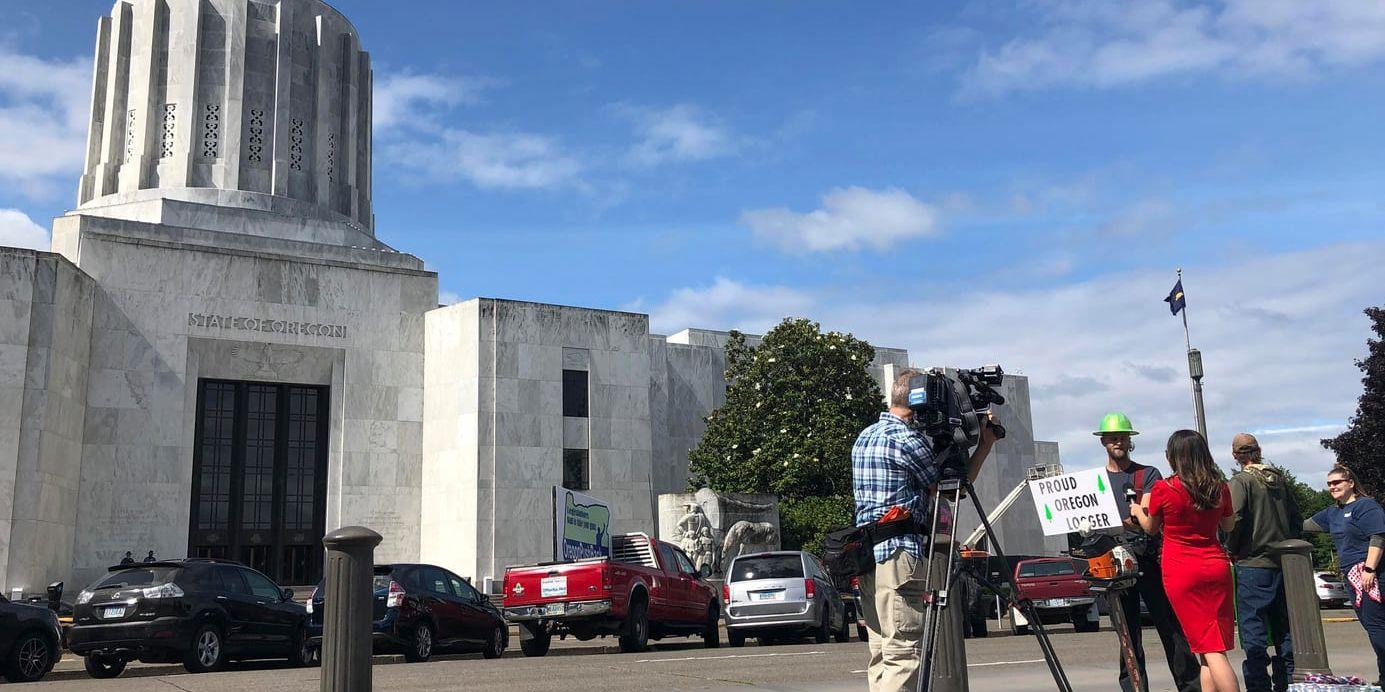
x,y
218,358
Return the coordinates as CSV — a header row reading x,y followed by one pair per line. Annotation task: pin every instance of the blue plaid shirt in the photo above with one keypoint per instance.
x,y
892,465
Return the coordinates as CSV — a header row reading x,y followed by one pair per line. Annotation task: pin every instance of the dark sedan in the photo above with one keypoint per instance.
x,y
30,641
423,609
200,612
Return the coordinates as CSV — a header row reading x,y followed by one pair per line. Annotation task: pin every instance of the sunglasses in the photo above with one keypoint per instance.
x,y
1247,450
1333,484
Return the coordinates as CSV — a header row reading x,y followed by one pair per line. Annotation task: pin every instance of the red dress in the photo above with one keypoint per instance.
x,y
1197,573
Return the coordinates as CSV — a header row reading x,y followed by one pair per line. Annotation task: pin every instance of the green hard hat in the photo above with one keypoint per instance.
x,y
1116,422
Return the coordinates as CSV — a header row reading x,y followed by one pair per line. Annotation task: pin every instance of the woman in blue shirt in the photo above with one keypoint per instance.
x,y
1357,525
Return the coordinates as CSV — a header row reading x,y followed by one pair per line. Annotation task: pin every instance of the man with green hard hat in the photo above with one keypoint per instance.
x,y
1130,479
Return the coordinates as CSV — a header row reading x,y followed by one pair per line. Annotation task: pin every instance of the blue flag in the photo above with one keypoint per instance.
x,y
1175,299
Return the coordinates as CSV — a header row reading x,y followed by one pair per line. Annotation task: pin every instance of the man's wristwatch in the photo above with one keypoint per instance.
x,y
1367,569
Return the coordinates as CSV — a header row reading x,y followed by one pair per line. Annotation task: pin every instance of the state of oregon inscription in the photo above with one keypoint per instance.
x,y
260,324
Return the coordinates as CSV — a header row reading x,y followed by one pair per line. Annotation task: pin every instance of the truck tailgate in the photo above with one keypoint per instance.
x,y
570,581
1052,580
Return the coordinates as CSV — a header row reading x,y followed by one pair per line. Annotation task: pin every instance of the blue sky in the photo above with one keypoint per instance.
x,y
972,181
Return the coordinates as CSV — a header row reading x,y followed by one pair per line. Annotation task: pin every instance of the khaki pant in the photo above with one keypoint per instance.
x,y
892,598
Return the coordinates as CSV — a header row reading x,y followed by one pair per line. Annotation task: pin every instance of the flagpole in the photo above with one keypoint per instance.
x,y
1194,367
1187,342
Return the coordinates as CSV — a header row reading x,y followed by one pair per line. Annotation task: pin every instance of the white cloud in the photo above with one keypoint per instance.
x,y
1278,335
494,161
44,107
18,230
676,134
850,218
411,112
417,100
728,304
448,298
1099,44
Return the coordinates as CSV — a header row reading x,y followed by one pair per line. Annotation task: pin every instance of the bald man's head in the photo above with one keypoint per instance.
x,y
1245,448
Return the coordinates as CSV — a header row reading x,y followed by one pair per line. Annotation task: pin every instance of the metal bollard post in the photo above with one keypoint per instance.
x,y
348,602
950,668
1305,622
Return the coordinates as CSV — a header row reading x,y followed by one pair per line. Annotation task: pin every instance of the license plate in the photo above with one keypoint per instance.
x,y
555,609
115,612
768,595
1056,602
553,586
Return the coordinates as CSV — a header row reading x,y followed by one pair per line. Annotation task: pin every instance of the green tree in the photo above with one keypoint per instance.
x,y
794,406
1361,447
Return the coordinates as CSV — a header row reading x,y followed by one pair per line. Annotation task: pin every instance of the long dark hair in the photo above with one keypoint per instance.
x,y
1192,462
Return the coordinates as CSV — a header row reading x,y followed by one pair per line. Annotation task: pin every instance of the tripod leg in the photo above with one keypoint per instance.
x,y
1050,656
924,682
954,671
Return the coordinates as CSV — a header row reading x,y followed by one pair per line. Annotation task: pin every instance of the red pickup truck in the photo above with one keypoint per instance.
x,y
646,590
1059,593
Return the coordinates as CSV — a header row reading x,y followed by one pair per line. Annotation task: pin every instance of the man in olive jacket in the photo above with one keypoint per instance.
x,y
1265,514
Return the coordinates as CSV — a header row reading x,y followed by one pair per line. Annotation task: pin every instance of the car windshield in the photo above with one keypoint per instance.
x,y
1046,569
767,567
137,576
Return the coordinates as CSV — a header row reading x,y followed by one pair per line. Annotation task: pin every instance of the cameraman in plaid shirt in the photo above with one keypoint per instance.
x,y
893,466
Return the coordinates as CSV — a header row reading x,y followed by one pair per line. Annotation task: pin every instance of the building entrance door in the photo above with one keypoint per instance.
x,y
259,478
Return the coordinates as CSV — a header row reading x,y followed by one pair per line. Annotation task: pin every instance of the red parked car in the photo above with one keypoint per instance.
x,y
647,589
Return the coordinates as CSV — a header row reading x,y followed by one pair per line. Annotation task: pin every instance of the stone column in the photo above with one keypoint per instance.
x,y
1305,622
348,605
97,125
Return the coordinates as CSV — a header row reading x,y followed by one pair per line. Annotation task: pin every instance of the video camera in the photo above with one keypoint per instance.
x,y
951,410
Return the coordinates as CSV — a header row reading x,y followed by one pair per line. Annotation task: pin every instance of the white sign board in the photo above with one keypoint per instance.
x,y
1065,503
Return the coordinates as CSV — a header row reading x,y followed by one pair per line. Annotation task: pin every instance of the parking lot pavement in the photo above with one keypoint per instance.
x,y
998,662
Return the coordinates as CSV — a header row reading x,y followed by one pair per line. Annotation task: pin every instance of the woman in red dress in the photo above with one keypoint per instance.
x,y
1189,508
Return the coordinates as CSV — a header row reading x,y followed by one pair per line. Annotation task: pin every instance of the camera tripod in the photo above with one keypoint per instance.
x,y
954,483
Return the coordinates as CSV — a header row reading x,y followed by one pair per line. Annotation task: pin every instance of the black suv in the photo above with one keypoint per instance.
x,y
201,612
30,641
420,609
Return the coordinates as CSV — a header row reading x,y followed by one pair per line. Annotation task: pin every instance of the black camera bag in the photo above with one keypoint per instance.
x,y
850,552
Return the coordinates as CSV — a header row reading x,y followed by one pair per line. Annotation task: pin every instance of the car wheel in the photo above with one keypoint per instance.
x,y
208,650
31,657
538,644
495,645
843,633
862,632
735,638
711,634
824,630
102,667
303,652
422,645
636,637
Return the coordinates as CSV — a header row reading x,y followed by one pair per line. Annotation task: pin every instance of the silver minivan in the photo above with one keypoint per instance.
x,y
785,593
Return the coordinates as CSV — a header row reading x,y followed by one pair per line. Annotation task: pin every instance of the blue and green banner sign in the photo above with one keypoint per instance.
x,y
582,525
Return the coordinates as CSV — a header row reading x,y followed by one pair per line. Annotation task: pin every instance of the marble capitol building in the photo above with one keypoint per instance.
x,y
220,358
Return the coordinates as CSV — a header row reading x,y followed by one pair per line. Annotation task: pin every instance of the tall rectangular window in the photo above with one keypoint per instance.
x,y
575,393
576,468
